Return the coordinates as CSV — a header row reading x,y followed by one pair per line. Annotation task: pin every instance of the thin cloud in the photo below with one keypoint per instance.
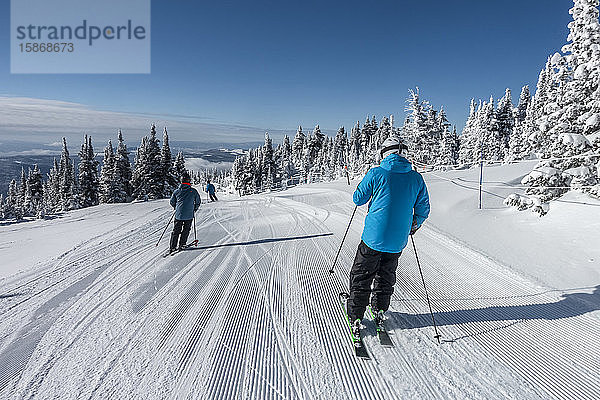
x,y
41,121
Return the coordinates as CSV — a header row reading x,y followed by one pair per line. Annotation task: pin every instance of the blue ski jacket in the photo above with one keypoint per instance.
x,y
186,201
397,194
210,188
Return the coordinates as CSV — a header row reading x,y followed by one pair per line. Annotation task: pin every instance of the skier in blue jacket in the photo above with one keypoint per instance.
x,y
398,205
210,189
186,201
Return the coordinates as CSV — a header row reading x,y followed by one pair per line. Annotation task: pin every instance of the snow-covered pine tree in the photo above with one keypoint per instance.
x,y
524,100
34,196
2,206
67,186
340,151
22,190
355,150
268,165
442,144
170,178
504,120
52,193
257,168
148,178
448,151
490,142
311,154
298,146
383,132
88,174
286,165
12,209
517,147
319,136
469,139
567,111
112,188
237,172
179,165
365,142
123,166
416,129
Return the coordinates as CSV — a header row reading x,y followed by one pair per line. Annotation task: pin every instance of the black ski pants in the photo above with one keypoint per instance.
x,y
181,231
213,197
373,275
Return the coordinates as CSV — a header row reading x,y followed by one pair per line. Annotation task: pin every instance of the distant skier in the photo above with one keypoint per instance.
x,y
210,189
186,201
399,204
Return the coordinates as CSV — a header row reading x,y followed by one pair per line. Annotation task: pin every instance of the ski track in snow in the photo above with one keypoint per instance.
x,y
250,315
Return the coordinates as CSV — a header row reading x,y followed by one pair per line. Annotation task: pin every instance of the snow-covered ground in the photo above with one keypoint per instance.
x,y
89,309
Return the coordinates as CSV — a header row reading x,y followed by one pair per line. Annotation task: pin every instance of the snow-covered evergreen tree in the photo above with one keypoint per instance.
x,y
319,136
340,151
34,196
469,139
148,179
417,129
298,146
52,200
565,108
170,178
123,166
112,186
12,210
355,150
179,166
268,165
67,186
524,100
286,166
505,122
88,174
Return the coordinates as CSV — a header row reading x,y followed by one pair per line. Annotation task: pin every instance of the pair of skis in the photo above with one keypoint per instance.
x,y
357,340
187,246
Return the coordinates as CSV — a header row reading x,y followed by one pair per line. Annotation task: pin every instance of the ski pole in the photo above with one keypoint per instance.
x,y
195,236
437,335
343,239
168,223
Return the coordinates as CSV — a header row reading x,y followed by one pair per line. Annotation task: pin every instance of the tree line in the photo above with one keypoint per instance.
x,y
154,175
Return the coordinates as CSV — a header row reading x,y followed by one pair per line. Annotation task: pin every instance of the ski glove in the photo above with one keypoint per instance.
x,y
415,227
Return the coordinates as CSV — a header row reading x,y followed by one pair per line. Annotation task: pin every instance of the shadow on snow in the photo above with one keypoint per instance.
x,y
260,241
570,305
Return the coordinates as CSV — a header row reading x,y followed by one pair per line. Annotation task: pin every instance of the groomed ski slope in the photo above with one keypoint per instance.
x,y
253,314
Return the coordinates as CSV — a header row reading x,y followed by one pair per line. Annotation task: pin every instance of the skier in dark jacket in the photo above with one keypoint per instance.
x,y
399,204
185,200
210,189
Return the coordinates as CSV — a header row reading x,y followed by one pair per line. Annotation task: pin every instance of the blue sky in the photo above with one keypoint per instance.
x,y
276,64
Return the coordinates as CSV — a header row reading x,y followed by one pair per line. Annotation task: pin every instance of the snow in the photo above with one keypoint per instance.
x,y
89,309
540,172
593,121
578,171
580,72
556,59
576,139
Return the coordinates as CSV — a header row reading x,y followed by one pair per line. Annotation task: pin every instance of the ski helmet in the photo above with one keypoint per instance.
x,y
185,178
393,145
